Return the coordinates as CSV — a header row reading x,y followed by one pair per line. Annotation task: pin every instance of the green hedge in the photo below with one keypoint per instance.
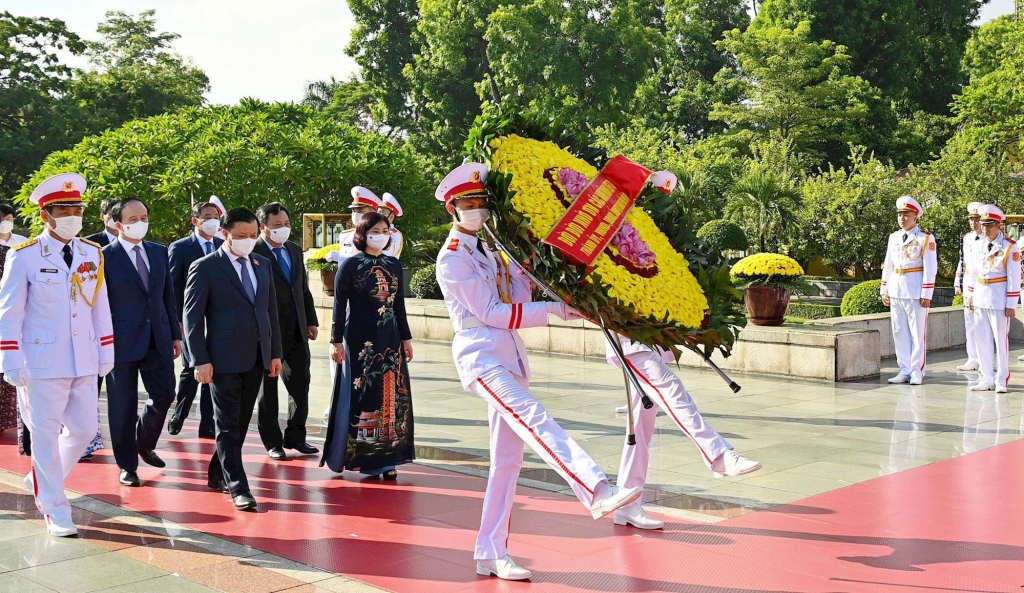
x,y
423,284
723,235
813,311
958,300
863,299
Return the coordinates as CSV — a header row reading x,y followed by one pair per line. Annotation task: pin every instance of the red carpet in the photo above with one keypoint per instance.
x,y
952,526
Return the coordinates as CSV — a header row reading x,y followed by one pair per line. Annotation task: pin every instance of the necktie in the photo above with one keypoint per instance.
x,y
67,255
286,266
250,291
904,237
990,246
142,267
208,247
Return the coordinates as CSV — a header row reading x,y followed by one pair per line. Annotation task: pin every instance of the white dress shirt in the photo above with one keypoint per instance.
x,y
110,238
14,240
238,266
130,250
203,242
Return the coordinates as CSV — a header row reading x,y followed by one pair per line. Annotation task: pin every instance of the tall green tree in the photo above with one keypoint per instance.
x,y
32,80
765,205
349,101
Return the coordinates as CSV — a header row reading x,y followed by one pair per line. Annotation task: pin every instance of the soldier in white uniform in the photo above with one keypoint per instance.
x,y
488,300
667,391
971,241
56,338
364,201
908,281
993,295
391,210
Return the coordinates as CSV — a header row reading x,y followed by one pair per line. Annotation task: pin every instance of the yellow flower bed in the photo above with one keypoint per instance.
x,y
767,264
673,294
321,253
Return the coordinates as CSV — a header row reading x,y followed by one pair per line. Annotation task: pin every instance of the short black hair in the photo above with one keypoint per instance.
x,y
368,222
6,209
267,210
237,215
198,207
115,211
108,204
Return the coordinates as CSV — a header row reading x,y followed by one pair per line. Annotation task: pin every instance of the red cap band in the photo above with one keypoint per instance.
x,y
60,196
465,189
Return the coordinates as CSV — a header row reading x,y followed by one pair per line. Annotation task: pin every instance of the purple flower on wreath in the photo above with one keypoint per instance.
x,y
632,247
574,182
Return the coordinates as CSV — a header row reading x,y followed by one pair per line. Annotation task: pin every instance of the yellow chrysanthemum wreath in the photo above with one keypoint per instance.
x,y
767,264
672,294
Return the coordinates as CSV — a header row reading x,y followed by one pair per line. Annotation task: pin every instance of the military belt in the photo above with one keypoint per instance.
x,y
987,281
902,271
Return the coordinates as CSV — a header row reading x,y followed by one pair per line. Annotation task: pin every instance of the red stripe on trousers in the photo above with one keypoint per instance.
x,y
535,436
669,408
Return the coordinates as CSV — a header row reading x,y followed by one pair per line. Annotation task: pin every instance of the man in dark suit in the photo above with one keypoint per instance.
x,y
201,242
147,339
297,314
234,338
109,233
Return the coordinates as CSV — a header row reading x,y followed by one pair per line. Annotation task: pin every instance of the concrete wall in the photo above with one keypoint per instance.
x,y
942,296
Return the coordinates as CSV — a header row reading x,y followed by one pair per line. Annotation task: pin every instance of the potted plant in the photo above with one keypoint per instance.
x,y
318,262
768,280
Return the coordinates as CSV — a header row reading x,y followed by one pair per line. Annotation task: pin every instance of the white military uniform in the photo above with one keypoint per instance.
x,y
59,330
971,242
995,287
909,276
665,389
397,239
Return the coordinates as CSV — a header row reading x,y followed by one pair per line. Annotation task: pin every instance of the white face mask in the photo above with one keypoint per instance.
x,y
136,230
6,226
111,225
210,227
68,227
378,242
242,247
357,217
280,235
473,220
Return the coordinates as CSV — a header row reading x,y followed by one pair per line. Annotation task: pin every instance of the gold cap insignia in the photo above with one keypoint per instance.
x,y
69,186
475,178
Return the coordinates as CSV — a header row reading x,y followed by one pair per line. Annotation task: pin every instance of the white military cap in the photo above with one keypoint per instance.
x,y
364,197
65,189
391,203
220,205
665,181
463,182
991,214
909,204
972,208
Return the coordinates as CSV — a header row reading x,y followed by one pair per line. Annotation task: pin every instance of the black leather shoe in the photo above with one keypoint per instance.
x,y
217,486
129,478
151,458
304,448
244,502
277,454
207,434
173,426
85,457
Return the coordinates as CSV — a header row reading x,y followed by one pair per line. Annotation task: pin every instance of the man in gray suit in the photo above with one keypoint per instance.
x,y
235,340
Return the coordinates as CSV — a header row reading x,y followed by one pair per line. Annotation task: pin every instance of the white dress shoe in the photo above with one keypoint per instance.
x,y
1000,388
916,380
612,498
1021,358
29,483
983,387
61,528
900,378
503,568
732,464
621,409
637,517
970,365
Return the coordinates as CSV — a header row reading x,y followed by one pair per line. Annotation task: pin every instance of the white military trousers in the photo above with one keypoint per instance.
x,y
45,405
993,336
667,392
515,417
970,329
910,335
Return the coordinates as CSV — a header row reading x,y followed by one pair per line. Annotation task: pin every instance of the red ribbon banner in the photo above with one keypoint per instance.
x,y
595,217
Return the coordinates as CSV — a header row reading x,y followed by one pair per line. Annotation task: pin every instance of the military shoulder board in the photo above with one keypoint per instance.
x,y
453,245
25,244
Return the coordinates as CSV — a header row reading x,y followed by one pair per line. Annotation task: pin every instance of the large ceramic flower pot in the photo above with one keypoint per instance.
x,y
327,276
766,305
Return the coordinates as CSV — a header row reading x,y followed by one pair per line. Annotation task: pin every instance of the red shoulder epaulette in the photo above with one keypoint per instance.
x,y
1012,242
453,245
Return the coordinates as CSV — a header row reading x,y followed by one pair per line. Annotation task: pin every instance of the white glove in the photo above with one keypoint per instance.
x,y
334,255
565,312
17,377
105,368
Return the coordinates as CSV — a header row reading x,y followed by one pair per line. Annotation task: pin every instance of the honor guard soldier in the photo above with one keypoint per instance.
x,y
488,300
908,281
391,210
364,201
993,293
57,338
971,241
